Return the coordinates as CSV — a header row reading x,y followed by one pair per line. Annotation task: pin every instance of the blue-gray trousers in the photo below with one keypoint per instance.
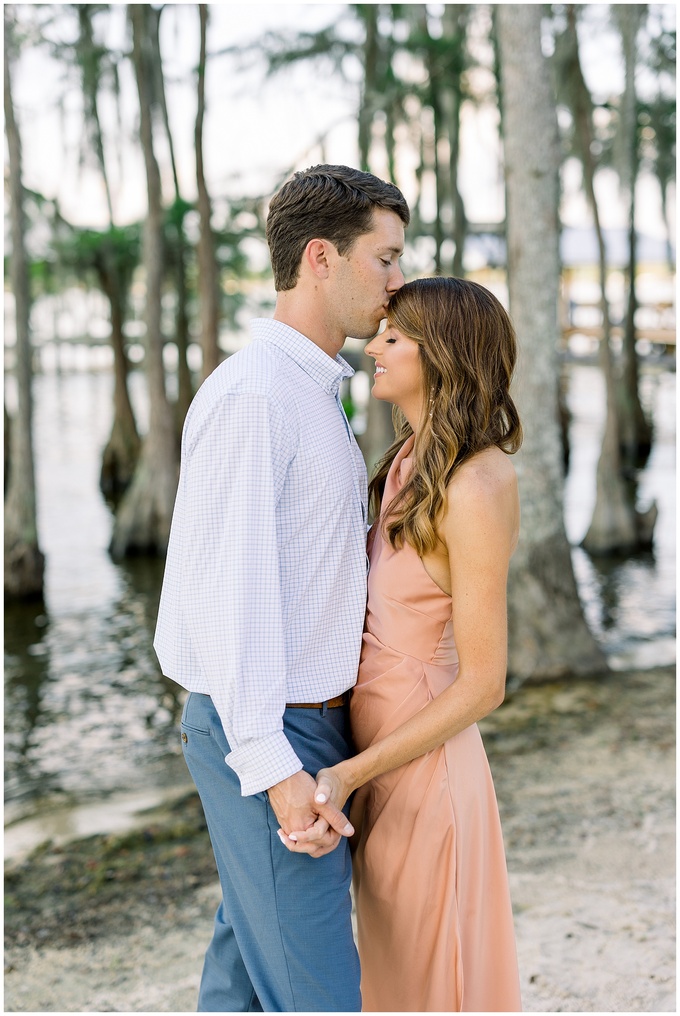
x,y
282,939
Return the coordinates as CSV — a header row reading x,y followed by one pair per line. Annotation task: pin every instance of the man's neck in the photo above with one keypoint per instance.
x,y
290,311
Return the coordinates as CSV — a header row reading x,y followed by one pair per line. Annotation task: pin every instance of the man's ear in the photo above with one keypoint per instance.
x,y
318,255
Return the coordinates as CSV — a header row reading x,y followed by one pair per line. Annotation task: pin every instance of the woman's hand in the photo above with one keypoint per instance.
x,y
332,785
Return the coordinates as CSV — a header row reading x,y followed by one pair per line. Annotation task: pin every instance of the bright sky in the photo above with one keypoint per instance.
x,y
256,129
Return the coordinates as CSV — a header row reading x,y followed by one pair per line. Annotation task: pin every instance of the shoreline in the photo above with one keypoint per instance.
x,y
584,773
118,814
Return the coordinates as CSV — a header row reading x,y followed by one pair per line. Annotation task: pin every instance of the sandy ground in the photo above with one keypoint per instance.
x,y
584,774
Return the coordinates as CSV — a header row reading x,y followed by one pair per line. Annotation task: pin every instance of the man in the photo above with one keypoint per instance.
x,y
264,594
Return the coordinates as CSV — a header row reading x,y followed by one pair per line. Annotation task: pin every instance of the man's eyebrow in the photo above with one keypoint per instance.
x,y
394,250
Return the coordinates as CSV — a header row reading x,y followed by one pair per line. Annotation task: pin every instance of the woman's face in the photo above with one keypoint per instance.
x,y
398,372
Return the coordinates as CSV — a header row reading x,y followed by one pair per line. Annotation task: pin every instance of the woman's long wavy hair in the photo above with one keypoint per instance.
x,y
468,352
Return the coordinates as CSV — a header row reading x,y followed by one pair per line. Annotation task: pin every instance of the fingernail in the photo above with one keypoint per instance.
x,y
279,833
293,837
321,798
349,829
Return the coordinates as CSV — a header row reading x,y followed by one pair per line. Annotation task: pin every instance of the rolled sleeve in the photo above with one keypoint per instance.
x,y
261,764
235,464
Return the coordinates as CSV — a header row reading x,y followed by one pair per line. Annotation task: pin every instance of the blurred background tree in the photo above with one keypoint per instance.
x,y
24,561
142,522
548,633
113,254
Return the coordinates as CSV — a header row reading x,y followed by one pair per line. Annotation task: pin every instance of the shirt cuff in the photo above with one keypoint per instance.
x,y
261,764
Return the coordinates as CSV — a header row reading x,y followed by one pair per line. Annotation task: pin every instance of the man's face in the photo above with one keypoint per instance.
x,y
365,279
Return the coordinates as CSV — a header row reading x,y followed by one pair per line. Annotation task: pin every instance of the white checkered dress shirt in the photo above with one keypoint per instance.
x,y
264,591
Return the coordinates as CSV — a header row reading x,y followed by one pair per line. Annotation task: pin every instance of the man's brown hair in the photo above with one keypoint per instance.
x,y
332,203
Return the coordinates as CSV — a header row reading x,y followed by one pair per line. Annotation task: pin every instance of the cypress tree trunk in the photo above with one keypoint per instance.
x,y
6,441
379,432
185,387
455,20
459,216
547,631
208,279
615,526
24,561
142,524
434,100
612,528
391,114
121,453
369,15
156,84
636,433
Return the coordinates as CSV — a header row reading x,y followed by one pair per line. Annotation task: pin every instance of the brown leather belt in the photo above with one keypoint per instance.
x,y
331,703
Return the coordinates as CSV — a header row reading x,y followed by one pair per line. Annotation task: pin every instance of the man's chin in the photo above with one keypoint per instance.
x,y
367,336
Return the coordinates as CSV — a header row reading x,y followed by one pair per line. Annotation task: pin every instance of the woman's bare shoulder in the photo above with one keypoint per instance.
x,y
489,474
481,509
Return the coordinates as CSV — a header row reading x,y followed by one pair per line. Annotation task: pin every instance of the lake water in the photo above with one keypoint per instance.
x,y
91,722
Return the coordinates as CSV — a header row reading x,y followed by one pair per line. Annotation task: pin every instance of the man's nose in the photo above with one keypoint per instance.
x,y
396,279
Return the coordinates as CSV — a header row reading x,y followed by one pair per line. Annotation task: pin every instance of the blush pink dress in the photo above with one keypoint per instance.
x,y
433,906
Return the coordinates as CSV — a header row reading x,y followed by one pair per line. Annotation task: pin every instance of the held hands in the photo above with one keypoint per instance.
x,y
308,825
330,794
332,785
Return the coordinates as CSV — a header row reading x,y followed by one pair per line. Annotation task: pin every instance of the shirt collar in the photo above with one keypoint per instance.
x,y
327,372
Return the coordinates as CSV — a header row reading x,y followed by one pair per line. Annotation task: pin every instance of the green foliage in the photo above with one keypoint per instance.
x,y
177,212
100,251
657,123
657,110
282,51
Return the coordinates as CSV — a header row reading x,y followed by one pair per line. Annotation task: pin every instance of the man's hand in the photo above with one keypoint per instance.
x,y
296,809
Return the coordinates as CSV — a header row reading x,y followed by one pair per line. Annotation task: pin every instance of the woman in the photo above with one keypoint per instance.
x,y
433,907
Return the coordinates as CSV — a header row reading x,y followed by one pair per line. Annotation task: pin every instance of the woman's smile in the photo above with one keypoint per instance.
x,y
398,367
